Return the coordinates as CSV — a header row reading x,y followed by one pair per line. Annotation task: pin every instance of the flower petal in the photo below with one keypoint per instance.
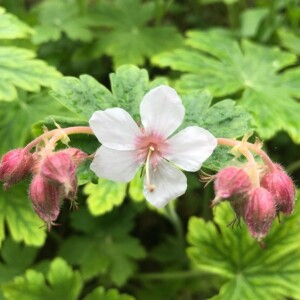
x,y
189,148
115,165
169,183
161,111
115,128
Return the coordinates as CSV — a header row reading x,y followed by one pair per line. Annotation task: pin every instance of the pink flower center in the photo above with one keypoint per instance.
x,y
155,143
151,149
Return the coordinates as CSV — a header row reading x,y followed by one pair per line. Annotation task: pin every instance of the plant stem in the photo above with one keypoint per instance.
x,y
174,218
233,15
82,6
161,10
60,133
171,214
252,147
169,275
254,172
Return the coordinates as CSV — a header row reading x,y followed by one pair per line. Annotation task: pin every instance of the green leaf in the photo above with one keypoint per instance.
x,y
16,258
57,17
112,294
220,158
61,282
85,174
130,40
20,69
17,213
236,258
223,119
104,196
85,95
164,289
11,27
82,96
129,85
45,33
18,116
289,40
251,19
136,187
218,63
103,245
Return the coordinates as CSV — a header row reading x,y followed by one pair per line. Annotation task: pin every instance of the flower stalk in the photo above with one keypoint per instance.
x,y
58,134
252,147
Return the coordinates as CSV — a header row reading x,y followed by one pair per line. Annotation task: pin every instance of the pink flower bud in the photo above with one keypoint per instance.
x,y
76,155
231,182
15,166
59,169
281,186
259,213
45,198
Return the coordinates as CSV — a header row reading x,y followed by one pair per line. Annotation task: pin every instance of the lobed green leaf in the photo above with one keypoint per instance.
x,y
103,245
17,212
11,27
104,196
247,270
112,294
61,282
129,38
20,69
218,63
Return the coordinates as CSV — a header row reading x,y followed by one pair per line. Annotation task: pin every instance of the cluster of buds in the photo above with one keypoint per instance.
x,y
257,192
53,175
54,179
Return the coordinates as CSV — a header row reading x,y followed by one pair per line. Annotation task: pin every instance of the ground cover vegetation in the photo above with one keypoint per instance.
x,y
150,149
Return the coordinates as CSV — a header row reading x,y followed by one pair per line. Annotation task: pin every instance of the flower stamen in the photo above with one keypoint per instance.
x,y
150,186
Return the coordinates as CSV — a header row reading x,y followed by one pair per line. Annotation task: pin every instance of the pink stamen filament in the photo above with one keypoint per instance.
x,y
150,186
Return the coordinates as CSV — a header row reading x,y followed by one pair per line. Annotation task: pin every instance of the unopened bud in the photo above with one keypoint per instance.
x,y
15,166
76,155
231,182
281,186
45,198
59,169
260,211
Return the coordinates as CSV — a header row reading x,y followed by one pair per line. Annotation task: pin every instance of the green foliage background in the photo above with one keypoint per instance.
x,y
235,64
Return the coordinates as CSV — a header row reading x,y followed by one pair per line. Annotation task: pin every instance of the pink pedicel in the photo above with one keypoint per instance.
x,y
46,198
15,166
281,186
259,212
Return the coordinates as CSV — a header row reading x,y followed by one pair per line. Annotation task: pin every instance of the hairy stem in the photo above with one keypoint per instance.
x,y
252,147
58,134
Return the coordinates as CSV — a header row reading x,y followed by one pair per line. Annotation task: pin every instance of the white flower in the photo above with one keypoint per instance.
x,y
126,147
